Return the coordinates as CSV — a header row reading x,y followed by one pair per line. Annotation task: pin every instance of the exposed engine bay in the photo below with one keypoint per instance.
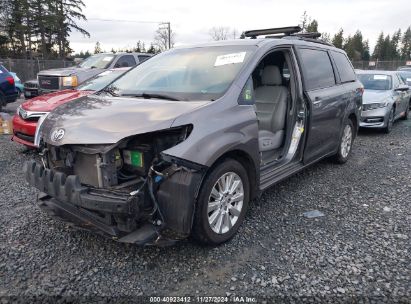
x,y
125,186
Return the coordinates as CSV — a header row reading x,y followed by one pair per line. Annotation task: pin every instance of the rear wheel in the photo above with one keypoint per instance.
x,y
390,122
222,203
346,141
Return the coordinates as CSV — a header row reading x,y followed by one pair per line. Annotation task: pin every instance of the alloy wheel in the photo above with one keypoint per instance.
x,y
346,141
225,202
391,119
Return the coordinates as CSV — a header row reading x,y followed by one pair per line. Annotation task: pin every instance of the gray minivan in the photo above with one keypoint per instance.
x,y
180,144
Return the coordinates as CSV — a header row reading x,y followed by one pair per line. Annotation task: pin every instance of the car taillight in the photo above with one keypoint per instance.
x,y
10,80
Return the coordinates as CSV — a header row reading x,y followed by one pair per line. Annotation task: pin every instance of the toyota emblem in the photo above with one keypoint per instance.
x,y
57,135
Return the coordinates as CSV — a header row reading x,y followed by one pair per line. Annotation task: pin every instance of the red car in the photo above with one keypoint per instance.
x,y
25,120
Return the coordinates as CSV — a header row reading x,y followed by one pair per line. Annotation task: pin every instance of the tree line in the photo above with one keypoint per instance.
x,y
388,47
39,28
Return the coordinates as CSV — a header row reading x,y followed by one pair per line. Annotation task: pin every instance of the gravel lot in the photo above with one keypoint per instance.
x,y
359,249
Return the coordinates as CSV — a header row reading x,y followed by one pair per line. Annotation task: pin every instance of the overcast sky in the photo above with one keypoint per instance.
x,y
192,20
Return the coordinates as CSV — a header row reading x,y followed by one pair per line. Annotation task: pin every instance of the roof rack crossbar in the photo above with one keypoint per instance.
x,y
312,35
272,31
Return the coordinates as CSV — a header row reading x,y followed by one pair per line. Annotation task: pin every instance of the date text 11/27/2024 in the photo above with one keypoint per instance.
x,y
203,299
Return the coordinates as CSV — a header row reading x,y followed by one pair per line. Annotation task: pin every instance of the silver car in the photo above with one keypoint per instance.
x,y
386,98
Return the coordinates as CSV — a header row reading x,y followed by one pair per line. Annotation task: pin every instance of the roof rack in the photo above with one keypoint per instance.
x,y
309,38
286,31
289,32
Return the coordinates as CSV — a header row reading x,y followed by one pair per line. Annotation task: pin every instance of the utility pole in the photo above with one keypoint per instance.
x,y
168,28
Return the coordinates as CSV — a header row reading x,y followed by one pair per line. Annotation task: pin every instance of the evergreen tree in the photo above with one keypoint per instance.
x,y
395,45
312,27
378,49
338,39
97,48
406,45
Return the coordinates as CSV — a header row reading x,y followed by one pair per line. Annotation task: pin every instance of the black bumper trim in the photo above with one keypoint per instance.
x,y
147,234
68,189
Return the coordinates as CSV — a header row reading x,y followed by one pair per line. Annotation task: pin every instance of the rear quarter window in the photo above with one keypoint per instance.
x,y
317,69
344,67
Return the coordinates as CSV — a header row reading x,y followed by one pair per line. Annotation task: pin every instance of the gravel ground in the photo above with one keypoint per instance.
x,y
359,249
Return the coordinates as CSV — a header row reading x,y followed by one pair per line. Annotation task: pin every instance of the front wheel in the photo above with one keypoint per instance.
x,y
407,112
346,141
390,121
222,203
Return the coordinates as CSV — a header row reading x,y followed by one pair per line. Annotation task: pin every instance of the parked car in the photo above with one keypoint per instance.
x,y
68,78
17,83
8,91
386,99
31,89
27,115
181,143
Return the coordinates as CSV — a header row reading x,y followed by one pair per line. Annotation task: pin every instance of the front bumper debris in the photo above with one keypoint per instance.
x,y
92,209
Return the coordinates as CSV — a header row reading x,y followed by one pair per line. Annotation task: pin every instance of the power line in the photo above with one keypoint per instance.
x,y
122,20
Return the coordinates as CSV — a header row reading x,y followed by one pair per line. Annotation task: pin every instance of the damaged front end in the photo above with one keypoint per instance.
x,y
131,191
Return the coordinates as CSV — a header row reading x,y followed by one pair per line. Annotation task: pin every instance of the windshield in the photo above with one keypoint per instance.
x,y
378,82
100,81
100,61
185,74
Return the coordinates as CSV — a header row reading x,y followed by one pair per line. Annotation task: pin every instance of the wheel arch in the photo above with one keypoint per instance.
x,y
249,164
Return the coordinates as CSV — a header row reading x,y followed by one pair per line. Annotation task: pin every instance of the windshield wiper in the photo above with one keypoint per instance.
x,y
153,95
109,90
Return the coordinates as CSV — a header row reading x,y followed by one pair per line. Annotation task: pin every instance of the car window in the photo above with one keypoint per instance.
x,y
400,79
379,82
406,77
142,58
317,68
344,67
247,94
126,61
100,81
101,61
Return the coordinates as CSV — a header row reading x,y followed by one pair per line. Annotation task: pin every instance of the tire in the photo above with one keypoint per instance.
x,y
390,122
346,142
212,227
407,112
2,101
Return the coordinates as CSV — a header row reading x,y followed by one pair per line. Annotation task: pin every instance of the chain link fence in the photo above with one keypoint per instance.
x,y
27,69
380,65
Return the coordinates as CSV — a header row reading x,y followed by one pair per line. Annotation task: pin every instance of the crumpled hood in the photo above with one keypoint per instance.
x,y
67,71
375,96
106,120
48,102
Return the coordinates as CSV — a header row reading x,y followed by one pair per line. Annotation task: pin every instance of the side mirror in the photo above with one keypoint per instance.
x,y
116,65
402,88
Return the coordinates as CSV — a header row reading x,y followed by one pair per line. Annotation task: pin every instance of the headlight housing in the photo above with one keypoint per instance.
x,y
70,81
373,106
